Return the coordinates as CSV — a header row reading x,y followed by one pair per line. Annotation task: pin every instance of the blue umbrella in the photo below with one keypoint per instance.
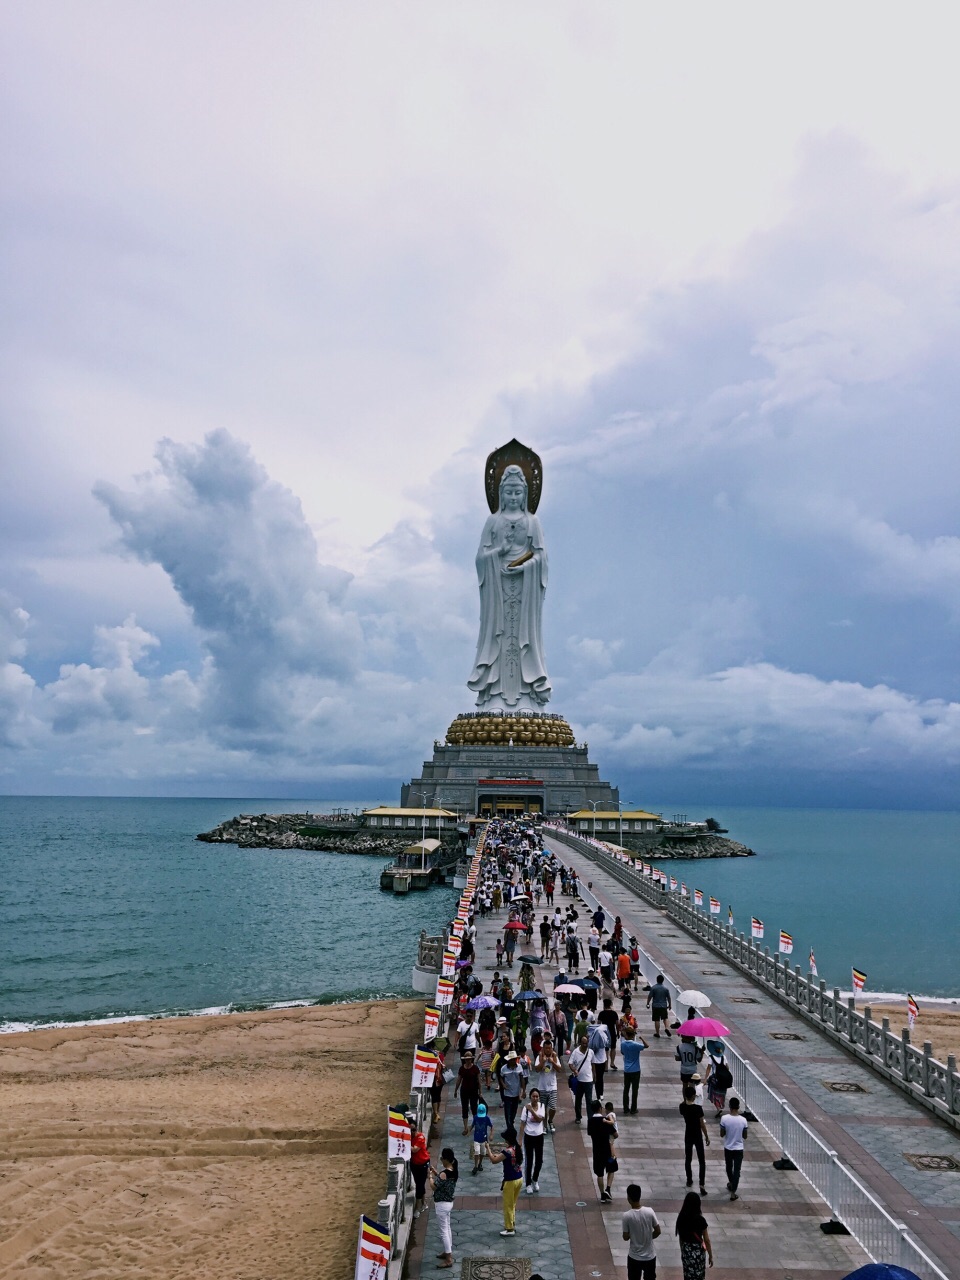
x,y
483,1002
881,1271
530,995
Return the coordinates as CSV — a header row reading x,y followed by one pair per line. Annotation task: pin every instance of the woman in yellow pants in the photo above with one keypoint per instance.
x,y
511,1157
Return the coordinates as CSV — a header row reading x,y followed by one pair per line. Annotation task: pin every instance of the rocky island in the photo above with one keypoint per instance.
x,y
326,832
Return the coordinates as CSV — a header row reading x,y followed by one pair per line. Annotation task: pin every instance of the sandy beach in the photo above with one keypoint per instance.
x,y
244,1145
938,1023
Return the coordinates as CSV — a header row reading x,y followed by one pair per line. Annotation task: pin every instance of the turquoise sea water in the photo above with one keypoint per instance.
x,y
112,908
878,889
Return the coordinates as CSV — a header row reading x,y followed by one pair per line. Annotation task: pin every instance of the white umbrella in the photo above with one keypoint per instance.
x,y
696,998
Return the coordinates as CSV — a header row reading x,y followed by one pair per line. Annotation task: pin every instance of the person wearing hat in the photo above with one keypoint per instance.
x,y
468,1088
513,1085
482,1129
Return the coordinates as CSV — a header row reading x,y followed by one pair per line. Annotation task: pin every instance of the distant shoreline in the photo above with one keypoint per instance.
x,y
10,1028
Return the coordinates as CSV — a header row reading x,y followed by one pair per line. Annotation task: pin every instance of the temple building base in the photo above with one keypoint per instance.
x,y
510,765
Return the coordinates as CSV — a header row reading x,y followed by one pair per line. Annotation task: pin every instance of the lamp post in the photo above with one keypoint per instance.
x,y
593,805
423,828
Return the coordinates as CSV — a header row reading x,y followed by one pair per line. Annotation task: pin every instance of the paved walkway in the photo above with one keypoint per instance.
x,y
773,1230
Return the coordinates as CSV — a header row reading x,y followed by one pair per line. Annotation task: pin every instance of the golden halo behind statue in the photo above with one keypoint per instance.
x,y
513,454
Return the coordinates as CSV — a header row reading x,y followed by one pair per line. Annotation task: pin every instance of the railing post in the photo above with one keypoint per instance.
x,y
385,1218
834,1227
953,1086
784,1164
925,1068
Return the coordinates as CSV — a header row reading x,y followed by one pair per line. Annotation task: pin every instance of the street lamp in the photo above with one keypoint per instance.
x,y
423,828
593,805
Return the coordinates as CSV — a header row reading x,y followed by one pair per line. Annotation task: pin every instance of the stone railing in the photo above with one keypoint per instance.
x,y
430,951
916,1071
394,1211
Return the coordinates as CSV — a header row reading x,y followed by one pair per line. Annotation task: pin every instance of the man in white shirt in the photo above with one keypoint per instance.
x,y
580,1062
733,1127
641,1227
468,1036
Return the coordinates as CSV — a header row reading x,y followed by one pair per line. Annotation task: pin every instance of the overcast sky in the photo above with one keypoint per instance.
x,y
276,278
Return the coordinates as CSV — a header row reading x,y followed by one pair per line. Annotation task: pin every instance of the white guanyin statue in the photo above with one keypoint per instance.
x,y
510,673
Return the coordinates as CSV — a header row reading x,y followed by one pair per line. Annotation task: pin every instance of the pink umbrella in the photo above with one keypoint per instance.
x,y
515,924
703,1027
568,989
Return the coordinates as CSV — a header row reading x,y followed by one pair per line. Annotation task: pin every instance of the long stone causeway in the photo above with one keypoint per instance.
x,y
834,1139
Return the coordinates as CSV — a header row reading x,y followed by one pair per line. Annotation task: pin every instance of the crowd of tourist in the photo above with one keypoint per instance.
x,y
512,1045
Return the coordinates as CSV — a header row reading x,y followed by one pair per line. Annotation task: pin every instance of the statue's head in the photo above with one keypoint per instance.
x,y
513,490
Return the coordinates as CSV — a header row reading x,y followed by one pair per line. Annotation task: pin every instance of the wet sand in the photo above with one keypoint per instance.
x,y
240,1146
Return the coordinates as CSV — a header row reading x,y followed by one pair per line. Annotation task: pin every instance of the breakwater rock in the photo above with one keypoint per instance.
x,y
306,831
685,844
708,846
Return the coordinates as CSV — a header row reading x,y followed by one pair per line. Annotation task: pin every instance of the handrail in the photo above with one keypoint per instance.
x,y
850,1202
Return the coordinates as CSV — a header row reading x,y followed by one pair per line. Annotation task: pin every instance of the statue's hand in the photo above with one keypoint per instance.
x,y
520,560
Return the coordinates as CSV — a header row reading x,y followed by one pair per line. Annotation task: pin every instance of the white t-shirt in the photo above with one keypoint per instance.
x,y
639,1224
547,1078
533,1128
469,1036
733,1129
581,1064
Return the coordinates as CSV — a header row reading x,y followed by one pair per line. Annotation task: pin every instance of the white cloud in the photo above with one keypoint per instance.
x,y
364,250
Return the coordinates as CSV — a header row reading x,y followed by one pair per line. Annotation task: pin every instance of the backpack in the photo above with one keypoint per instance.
x,y
723,1076
597,1038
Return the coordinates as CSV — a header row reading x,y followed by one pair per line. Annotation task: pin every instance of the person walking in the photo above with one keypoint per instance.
x,y
482,1129
444,1184
605,1165
688,1054
544,937
598,1038
580,1062
733,1127
512,1160
420,1169
574,948
659,1003
513,1086
719,1080
547,1068
561,1028
694,1238
468,1088
532,1126
610,1019
631,1047
641,1226
694,1136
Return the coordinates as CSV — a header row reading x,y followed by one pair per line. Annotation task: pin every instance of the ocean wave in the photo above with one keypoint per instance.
x,y
11,1027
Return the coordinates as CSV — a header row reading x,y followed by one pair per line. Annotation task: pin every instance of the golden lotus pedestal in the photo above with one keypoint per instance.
x,y
506,730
